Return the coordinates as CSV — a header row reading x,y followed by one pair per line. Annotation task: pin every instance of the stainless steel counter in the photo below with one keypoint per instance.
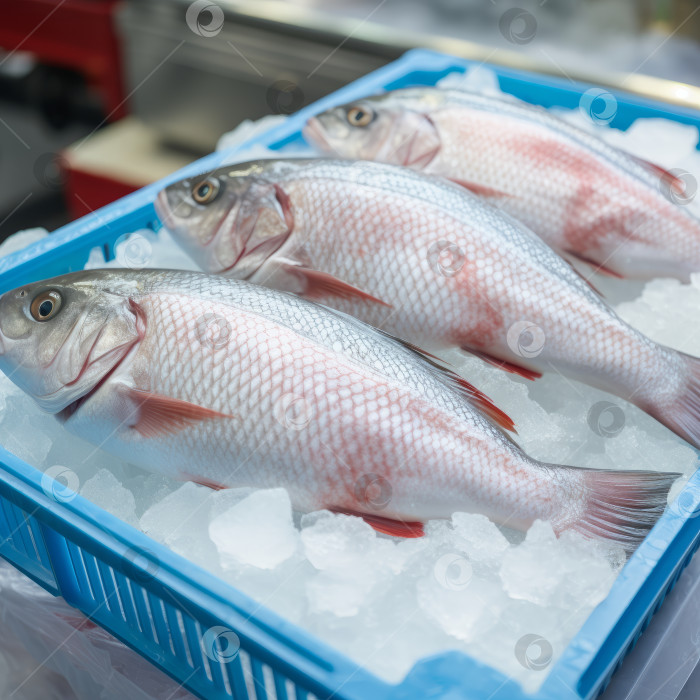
x,y
196,69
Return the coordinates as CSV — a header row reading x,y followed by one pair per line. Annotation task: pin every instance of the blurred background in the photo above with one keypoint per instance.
x,y
99,97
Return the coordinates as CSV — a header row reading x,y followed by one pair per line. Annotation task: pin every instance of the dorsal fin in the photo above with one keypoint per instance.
x,y
455,381
658,170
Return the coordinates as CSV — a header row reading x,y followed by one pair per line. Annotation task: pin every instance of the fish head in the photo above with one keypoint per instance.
x,y
61,337
383,128
229,220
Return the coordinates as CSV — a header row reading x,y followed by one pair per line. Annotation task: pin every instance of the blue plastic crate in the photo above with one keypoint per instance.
x,y
166,608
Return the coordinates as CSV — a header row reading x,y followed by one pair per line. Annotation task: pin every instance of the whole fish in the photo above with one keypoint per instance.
x,y
428,261
231,384
584,197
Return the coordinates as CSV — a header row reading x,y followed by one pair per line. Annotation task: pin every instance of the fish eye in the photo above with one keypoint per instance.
x,y
46,305
360,116
206,190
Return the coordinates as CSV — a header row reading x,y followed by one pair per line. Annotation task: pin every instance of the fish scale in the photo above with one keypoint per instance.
x,y
584,197
378,230
386,433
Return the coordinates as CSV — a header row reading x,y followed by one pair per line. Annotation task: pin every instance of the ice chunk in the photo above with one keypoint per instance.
x,y
527,570
257,531
479,536
477,79
144,249
351,558
660,141
25,431
181,521
247,130
105,490
462,610
21,239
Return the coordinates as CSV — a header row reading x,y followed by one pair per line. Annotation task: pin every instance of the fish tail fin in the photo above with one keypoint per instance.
x,y
621,506
683,416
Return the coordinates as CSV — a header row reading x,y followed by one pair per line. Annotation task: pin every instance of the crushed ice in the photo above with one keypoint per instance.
x,y
466,585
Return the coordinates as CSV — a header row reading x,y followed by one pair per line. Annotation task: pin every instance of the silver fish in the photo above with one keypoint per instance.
x,y
585,198
430,262
231,384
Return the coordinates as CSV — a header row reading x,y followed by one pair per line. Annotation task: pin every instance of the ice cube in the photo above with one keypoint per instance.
x,y
659,141
460,603
257,531
477,79
21,239
105,490
479,537
526,571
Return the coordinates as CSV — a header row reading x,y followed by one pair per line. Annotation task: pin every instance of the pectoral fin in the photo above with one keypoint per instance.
x,y
597,267
321,284
161,415
481,190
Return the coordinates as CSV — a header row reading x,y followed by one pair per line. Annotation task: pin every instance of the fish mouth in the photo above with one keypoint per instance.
x,y
65,413
122,352
162,208
314,134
